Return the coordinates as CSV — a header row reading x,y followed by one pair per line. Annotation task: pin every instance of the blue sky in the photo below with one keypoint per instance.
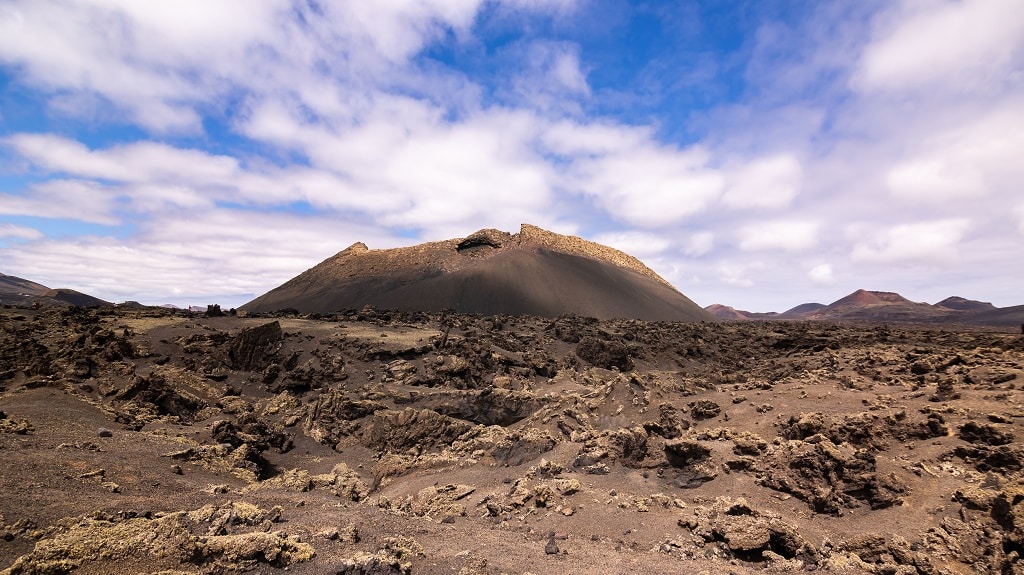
x,y
757,154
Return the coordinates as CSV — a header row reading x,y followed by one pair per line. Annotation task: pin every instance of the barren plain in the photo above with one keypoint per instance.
x,y
155,441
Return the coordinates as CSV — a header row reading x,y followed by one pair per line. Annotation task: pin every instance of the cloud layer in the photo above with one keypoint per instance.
x,y
212,151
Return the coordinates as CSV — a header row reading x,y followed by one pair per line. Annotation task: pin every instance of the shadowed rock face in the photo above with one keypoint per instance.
x,y
534,272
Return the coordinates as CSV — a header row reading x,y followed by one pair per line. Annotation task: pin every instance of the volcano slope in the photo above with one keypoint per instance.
x,y
533,272
145,441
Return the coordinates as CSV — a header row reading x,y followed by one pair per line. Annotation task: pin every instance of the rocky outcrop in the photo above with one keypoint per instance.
x,y
255,348
605,354
830,478
217,539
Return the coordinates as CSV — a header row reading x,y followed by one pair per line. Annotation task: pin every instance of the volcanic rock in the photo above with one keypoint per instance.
x,y
132,441
253,348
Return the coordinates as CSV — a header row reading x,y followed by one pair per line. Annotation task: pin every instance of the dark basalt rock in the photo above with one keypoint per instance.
x,y
605,354
255,348
972,432
488,237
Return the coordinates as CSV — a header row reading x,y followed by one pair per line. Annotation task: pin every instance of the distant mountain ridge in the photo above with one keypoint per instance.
x,y
882,306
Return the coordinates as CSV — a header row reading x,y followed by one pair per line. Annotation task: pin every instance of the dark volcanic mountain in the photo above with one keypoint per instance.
x,y
72,297
21,292
962,304
801,311
534,272
15,286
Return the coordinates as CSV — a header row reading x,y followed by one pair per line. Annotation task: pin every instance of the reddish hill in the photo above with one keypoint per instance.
x,y
533,272
882,306
867,305
726,312
865,298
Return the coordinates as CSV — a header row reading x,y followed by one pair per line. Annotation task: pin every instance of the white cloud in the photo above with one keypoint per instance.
x,y
551,77
410,168
699,244
650,186
635,243
979,157
136,55
438,172
398,29
766,182
821,275
164,64
19,232
434,176
960,46
786,235
914,243
934,180
138,162
596,138
1020,217
67,199
738,274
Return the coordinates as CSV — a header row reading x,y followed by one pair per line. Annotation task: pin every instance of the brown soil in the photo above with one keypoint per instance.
x,y
147,441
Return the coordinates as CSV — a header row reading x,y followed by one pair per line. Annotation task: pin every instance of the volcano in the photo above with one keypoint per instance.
x,y
490,272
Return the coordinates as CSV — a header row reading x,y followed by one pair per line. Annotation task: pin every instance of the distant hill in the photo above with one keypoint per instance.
x,y
533,272
801,311
17,286
19,292
24,293
881,306
72,297
867,305
1012,316
732,314
726,312
961,304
